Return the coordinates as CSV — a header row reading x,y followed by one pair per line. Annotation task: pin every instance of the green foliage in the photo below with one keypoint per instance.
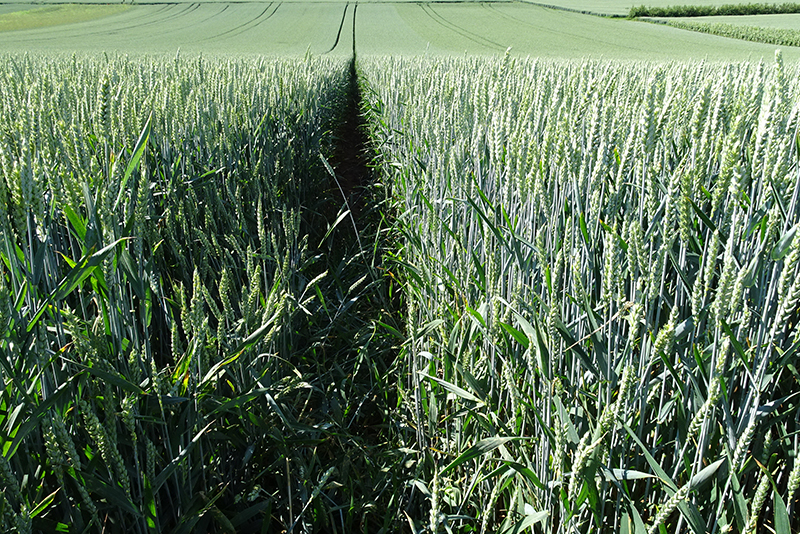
x,y
599,266
712,10
183,345
775,36
600,263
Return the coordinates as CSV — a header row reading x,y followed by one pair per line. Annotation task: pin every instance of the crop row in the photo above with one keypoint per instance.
x,y
173,350
601,270
600,286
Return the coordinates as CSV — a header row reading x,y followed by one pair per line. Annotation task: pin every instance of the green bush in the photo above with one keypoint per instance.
x,y
775,36
707,11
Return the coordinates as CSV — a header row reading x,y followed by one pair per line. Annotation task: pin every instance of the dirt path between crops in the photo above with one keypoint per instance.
x,y
350,159
350,156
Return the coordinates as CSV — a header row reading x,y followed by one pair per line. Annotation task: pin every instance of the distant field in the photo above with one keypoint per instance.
x,y
253,28
21,17
785,22
294,28
533,30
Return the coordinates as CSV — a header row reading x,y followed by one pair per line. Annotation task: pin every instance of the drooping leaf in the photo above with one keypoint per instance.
x,y
625,474
464,394
138,150
479,449
783,245
705,474
527,522
44,504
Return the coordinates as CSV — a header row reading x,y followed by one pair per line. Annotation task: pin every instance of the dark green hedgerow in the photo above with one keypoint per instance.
x,y
708,11
775,36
